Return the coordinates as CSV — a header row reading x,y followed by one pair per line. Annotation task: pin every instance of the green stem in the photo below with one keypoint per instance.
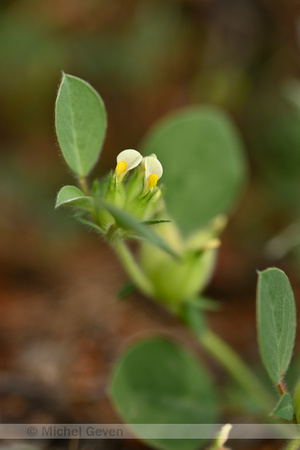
x,y
131,267
237,369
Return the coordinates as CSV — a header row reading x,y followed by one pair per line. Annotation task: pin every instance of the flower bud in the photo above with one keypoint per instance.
x,y
177,280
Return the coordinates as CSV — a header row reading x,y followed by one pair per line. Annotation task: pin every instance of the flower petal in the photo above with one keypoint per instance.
x,y
131,157
152,166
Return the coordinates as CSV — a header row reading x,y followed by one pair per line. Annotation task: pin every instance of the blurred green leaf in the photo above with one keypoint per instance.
x,y
203,161
158,382
284,408
80,121
276,321
273,137
72,196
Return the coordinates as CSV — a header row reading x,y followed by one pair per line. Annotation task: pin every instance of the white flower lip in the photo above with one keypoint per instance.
x,y
131,157
152,166
224,433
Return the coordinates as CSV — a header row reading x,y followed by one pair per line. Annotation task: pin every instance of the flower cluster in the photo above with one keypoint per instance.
x,y
172,280
138,194
129,159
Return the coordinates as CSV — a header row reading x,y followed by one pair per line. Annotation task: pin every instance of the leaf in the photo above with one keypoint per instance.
x,y
158,382
203,161
89,224
72,196
276,321
80,122
155,222
128,222
284,408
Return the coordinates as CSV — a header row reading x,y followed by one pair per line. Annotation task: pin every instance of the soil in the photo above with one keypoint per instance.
x,y
62,327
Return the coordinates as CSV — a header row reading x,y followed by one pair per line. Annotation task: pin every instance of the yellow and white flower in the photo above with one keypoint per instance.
x,y
127,160
153,172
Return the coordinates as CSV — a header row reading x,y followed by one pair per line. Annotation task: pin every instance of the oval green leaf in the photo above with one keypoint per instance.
x,y
203,161
158,382
276,321
72,196
80,122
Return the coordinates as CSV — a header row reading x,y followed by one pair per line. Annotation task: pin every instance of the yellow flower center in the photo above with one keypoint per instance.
x,y
120,168
152,180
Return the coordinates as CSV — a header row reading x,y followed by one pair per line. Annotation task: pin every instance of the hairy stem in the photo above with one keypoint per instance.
x,y
281,387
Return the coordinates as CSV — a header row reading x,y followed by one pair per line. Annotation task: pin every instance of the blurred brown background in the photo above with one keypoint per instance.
x,y
60,324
